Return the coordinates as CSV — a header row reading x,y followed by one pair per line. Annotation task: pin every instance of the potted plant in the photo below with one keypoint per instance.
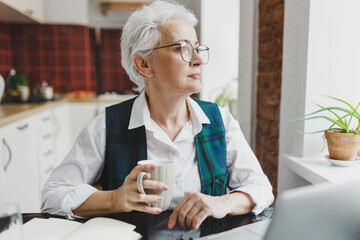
x,y
342,139
18,86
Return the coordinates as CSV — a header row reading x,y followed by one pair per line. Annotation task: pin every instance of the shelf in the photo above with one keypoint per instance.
x,y
318,170
121,5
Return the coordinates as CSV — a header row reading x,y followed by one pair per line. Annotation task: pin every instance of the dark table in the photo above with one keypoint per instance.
x,y
155,226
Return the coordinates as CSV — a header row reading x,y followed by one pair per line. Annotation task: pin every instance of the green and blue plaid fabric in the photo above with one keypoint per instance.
x,y
124,148
211,152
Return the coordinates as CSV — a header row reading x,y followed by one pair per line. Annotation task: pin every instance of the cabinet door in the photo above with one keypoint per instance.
x,y
20,165
62,132
45,140
81,114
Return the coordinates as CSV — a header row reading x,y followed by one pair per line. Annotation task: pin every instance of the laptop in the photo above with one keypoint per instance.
x,y
317,212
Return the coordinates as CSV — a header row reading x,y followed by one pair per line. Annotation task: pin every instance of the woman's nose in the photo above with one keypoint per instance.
x,y
196,59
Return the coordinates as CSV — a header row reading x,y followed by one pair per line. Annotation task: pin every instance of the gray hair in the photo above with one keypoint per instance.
x,y
140,33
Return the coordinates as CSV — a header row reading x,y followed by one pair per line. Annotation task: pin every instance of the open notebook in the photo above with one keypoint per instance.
x,y
93,229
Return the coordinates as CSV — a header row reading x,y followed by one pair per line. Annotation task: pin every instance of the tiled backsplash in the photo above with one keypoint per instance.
x,y
5,50
64,56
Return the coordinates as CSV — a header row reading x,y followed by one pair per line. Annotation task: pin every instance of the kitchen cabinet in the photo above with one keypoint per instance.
x,y
62,134
22,10
20,172
67,12
45,145
81,114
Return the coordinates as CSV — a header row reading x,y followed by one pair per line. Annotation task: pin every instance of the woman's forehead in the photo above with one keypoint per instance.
x,y
175,30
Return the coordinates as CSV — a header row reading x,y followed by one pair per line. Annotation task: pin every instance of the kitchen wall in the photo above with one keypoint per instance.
x,y
5,49
64,55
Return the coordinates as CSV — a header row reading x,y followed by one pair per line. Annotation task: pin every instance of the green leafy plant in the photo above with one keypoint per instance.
x,y
227,95
341,119
17,80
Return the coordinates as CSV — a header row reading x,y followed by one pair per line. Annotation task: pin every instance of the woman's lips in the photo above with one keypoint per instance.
x,y
195,76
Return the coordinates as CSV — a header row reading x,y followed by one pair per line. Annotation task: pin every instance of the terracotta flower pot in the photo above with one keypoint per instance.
x,y
342,146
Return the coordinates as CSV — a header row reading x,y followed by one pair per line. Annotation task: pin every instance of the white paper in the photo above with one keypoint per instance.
x,y
94,229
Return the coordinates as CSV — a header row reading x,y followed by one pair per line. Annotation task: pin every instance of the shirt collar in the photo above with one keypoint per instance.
x,y
140,115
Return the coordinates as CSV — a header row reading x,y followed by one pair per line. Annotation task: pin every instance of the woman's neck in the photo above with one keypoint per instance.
x,y
170,112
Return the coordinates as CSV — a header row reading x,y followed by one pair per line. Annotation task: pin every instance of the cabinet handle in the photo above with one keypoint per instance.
x,y
10,155
22,127
47,136
47,153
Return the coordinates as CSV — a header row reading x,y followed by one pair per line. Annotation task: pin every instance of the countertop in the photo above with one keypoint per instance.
x,y
11,112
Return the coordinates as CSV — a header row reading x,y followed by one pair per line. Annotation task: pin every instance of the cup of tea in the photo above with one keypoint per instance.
x,y
10,221
164,172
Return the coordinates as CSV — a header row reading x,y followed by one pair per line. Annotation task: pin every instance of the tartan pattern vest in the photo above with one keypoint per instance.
x,y
124,148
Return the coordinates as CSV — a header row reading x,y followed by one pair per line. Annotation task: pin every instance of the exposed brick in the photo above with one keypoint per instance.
x,y
268,50
278,31
268,80
266,4
270,66
265,35
271,16
269,97
267,112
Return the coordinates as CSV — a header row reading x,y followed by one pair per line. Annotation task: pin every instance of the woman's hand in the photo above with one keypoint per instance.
x,y
195,207
127,198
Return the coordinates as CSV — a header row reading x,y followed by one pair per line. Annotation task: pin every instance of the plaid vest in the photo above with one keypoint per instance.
x,y
124,148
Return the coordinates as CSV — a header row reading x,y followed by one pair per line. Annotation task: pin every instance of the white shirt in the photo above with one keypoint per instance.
x,y
69,185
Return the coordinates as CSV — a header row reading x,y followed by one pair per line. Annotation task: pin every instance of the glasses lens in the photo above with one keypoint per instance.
x,y
186,51
204,54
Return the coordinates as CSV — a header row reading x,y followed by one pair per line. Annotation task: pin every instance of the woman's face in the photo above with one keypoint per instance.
x,y
171,72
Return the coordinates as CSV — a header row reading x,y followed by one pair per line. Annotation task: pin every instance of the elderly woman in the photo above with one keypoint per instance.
x,y
163,57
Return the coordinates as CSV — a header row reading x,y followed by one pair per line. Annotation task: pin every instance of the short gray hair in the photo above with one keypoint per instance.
x,y
140,33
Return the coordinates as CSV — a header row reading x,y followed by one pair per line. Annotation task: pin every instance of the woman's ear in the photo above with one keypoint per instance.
x,y
143,65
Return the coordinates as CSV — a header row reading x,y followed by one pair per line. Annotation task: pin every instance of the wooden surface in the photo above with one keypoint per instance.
x,y
11,112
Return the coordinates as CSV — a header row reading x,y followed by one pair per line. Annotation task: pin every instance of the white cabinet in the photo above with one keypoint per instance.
x,y
20,172
67,12
62,134
45,145
81,115
22,10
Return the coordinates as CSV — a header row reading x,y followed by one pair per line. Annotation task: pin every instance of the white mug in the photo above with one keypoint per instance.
x,y
164,172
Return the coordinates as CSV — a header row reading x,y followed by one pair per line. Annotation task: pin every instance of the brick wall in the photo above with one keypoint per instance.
x,y
271,18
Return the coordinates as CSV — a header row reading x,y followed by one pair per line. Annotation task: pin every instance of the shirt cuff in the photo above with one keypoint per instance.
x,y
263,198
75,198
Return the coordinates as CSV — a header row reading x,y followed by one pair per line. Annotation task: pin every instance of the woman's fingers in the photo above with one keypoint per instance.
x,y
184,211
140,168
198,219
142,198
191,211
147,209
154,185
175,214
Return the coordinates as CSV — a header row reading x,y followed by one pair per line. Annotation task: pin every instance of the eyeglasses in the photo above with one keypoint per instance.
x,y
187,51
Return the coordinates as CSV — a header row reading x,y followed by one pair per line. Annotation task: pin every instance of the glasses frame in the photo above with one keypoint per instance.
x,y
192,53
